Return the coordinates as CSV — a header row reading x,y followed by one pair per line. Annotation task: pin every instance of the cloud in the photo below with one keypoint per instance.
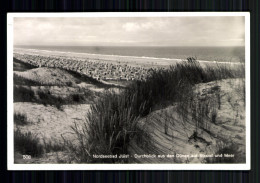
x,y
134,31
134,27
131,27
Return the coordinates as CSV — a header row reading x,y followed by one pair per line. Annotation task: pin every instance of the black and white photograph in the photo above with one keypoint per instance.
x,y
128,91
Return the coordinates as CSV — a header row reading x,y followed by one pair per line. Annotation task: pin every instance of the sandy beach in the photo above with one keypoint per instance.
x,y
114,59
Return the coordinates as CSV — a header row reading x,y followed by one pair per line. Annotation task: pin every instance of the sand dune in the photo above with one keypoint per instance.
x,y
179,138
49,76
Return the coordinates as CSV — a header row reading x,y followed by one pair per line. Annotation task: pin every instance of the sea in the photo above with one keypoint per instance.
x,y
221,54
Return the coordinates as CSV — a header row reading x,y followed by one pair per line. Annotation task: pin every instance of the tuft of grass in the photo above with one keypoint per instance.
x,y
46,98
21,119
110,126
191,59
52,146
27,143
77,98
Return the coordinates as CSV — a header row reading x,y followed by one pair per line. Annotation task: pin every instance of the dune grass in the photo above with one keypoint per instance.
x,y
26,94
112,121
27,144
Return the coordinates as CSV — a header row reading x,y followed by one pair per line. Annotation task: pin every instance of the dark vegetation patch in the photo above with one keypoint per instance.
x,y
27,144
52,146
47,99
24,94
20,119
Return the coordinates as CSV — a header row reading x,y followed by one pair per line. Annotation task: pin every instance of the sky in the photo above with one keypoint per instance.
x,y
130,31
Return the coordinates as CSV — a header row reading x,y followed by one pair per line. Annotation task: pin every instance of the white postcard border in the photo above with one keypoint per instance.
x,y
10,145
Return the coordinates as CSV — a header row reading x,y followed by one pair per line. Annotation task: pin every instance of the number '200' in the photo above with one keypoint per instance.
x,y
27,157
